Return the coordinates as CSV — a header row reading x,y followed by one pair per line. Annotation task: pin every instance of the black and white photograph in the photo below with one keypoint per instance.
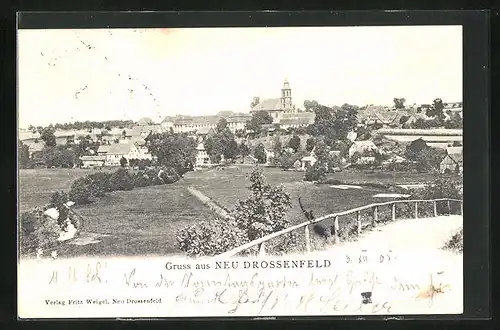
x,y
260,171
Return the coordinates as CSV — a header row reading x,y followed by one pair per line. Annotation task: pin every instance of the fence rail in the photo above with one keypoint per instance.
x,y
375,206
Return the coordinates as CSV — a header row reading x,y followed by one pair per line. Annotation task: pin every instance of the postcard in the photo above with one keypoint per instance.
x,y
257,172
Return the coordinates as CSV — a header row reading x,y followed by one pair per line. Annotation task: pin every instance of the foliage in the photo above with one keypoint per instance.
x,y
59,156
101,181
221,143
255,101
169,175
332,124
81,191
123,162
355,157
294,143
429,159
260,153
47,135
244,150
436,110
57,200
23,154
264,212
441,187
399,103
309,106
210,238
310,143
287,160
121,180
259,118
414,148
317,172
37,231
173,150
277,148
455,122
456,242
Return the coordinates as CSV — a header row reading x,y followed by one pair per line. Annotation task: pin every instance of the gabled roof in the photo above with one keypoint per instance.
x,y
145,121
36,147
204,130
456,153
269,104
116,149
27,135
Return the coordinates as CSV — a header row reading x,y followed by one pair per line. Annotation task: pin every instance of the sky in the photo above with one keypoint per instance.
x,y
107,74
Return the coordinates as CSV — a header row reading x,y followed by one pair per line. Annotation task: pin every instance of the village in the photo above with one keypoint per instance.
x,y
277,121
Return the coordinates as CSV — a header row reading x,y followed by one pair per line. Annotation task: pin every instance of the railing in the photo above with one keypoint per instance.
x,y
261,241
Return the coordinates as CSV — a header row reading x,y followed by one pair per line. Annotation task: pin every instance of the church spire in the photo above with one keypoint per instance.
x,y
286,96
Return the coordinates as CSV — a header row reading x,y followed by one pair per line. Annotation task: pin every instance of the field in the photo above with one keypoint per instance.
x,y
144,221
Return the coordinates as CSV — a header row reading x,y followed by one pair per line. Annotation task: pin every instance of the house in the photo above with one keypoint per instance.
x,y
115,152
361,147
35,149
64,137
93,161
308,161
145,121
453,161
296,119
202,157
204,132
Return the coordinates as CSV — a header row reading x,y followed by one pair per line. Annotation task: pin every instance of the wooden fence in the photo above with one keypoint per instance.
x,y
375,207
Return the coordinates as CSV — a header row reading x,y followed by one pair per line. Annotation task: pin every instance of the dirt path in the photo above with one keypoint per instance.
x,y
208,202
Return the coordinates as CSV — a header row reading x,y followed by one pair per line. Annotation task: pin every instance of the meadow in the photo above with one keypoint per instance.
x,y
145,220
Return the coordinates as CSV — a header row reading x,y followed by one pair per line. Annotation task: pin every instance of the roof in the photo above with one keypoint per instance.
x,y
196,120
27,135
83,158
116,149
35,147
366,143
308,158
239,118
145,121
64,133
267,105
455,153
297,118
200,147
204,130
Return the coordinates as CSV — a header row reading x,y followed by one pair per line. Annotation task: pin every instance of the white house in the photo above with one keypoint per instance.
x,y
93,161
115,152
308,161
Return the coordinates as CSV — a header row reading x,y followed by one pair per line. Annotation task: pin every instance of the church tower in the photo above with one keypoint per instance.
x,y
286,97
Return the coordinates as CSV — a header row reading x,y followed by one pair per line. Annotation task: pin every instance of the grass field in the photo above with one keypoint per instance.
x,y
144,221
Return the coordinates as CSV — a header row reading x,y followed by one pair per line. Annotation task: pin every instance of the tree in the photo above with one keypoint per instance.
x,y
255,101
287,160
123,162
277,147
321,151
173,150
58,200
414,148
259,118
243,150
264,212
23,154
294,143
221,125
436,110
310,144
317,172
260,153
47,135
60,156
399,103
309,106
455,122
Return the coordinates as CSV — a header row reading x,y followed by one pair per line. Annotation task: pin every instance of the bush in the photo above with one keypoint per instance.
x,y
456,243
37,231
81,192
169,175
101,182
121,180
317,172
210,238
441,187
57,200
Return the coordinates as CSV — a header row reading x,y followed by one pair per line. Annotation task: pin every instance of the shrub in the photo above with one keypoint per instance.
x,y
141,179
37,231
441,187
123,162
210,238
121,180
81,191
317,172
456,243
101,182
169,175
57,200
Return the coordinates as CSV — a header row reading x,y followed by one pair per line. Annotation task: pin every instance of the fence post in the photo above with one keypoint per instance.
x,y
449,207
375,215
336,228
461,208
416,210
308,241
262,249
435,209
358,221
393,206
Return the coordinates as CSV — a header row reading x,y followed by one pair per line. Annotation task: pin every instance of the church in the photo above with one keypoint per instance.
x,y
278,106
